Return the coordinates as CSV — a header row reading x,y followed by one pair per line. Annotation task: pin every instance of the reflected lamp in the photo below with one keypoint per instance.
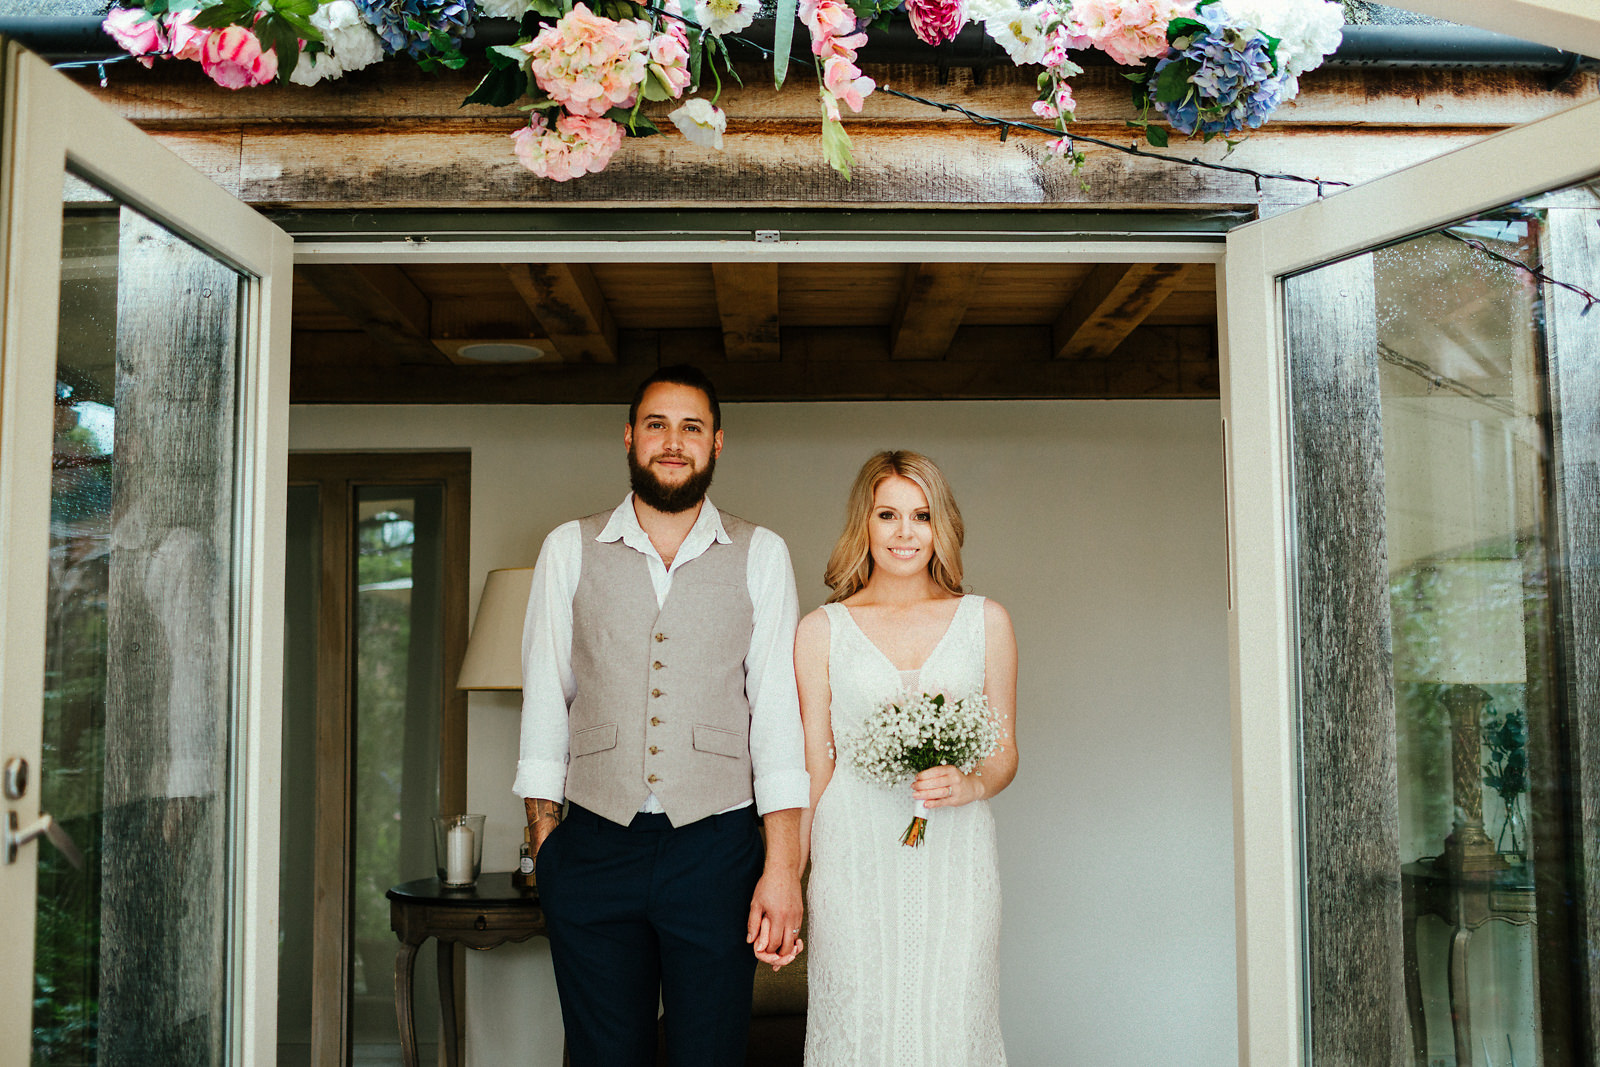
x,y
1464,630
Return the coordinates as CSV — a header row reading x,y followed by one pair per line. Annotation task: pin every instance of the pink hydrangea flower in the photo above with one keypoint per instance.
x,y
1129,31
186,40
135,32
1065,101
669,60
845,81
827,18
590,64
578,145
232,57
937,21
1045,109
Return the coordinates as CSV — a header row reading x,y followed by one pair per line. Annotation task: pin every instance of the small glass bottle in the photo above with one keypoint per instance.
x,y
523,875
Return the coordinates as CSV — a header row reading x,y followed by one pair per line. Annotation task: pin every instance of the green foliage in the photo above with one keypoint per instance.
x,y
1506,737
836,146
782,43
635,123
505,82
446,50
1172,83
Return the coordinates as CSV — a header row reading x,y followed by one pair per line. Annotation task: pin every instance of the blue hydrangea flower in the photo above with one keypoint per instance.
x,y
1236,84
392,18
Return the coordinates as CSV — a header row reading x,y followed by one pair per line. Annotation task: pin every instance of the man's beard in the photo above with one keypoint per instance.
x,y
670,499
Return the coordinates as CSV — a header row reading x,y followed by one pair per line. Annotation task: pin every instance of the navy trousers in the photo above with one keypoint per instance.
x,y
644,911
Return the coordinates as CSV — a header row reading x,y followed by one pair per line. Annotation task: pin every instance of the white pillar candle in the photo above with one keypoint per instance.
x,y
458,855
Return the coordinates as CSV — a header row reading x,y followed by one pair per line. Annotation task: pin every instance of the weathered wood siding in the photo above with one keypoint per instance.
x,y
1351,809
394,136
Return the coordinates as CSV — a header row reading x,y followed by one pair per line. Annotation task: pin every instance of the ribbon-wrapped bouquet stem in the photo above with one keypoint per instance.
x,y
909,734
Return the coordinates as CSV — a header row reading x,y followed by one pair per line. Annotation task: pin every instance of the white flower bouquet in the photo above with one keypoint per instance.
x,y
911,733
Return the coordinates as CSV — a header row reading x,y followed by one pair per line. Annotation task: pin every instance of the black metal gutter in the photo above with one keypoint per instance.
x,y
79,40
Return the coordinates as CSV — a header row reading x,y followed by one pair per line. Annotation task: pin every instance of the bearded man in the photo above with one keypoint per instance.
x,y
659,701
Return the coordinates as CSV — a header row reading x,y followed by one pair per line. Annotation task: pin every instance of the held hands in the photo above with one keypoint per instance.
x,y
947,787
775,911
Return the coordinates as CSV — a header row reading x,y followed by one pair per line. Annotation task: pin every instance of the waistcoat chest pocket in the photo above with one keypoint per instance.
x,y
720,742
594,739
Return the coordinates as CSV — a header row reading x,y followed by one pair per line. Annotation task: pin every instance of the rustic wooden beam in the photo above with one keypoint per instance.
x,y
933,301
1110,304
747,303
383,302
819,363
568,303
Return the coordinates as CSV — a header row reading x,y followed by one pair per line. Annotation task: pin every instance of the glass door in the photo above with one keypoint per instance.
x,y
1413,404
142,445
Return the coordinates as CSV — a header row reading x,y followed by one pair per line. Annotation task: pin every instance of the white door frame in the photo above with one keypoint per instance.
x,y
48,126
1550,153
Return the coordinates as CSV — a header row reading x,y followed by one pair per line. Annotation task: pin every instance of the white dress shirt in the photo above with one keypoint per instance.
x,y
777,746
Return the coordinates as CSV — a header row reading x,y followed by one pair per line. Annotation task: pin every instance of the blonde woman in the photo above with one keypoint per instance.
x,y
903,965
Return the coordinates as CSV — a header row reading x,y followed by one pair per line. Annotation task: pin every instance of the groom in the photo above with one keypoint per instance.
x,y
659,701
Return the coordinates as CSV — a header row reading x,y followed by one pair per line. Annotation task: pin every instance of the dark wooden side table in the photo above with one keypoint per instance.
x,y
489,914
1465,901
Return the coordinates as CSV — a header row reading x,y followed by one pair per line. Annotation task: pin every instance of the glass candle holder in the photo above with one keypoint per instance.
x,y
458,849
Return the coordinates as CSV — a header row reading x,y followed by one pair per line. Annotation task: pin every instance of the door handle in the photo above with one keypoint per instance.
x,y
45,826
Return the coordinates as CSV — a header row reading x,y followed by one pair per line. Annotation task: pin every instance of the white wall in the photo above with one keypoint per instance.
x,y
1099,525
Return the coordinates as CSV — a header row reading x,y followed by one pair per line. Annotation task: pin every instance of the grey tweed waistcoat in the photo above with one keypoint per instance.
x,y
661,704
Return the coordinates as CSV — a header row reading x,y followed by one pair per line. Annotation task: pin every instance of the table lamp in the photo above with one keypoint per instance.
x,y
1462,627
493,659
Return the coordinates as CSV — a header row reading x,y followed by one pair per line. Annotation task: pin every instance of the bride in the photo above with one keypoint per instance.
x,y
904,941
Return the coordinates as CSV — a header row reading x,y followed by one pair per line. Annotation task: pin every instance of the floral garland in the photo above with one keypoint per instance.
x,y
1216,68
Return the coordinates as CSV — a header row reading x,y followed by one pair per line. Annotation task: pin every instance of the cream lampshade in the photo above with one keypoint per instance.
x,y
1461,625
494,652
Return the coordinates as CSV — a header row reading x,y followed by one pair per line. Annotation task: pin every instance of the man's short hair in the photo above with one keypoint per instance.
x,y
679,374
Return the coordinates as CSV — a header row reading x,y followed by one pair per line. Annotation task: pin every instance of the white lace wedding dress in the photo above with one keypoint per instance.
x,y
903,965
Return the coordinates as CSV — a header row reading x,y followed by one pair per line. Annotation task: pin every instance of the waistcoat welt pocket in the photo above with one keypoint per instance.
x,y
720,742
594,739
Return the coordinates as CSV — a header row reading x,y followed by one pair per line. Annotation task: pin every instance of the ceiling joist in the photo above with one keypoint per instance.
x,y
933,301
747,303
384,303
569,305
1110,304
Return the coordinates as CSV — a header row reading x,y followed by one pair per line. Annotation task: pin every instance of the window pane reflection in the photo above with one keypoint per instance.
x,y
1455,394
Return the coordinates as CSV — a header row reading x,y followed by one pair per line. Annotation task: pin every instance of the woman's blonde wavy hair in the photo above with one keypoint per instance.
x,y
850,565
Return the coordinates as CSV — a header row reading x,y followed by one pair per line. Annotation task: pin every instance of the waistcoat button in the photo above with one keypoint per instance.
x,y
652,779
657,665
654,751
661,637
655,692
654,721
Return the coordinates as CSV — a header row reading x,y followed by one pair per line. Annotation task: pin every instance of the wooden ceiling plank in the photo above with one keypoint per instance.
x,y
381,300
570,306
933,301
747,303
1112,301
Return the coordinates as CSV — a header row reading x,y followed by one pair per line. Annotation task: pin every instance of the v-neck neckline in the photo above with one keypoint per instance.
x,y
934,651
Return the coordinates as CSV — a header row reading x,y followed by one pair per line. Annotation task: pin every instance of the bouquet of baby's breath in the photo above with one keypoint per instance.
x,y
911,733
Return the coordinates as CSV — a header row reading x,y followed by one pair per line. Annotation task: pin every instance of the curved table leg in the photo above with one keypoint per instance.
x,y
404,966
1416,1019
1460,1003
447,1001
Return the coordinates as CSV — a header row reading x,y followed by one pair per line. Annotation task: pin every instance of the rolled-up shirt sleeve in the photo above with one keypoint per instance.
x,y
777,744
548,684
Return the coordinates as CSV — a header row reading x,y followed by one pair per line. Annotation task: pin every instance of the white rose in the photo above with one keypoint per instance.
x,y
702,123
718,17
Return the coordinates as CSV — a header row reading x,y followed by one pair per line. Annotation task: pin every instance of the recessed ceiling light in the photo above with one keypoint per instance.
x,y
501,352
